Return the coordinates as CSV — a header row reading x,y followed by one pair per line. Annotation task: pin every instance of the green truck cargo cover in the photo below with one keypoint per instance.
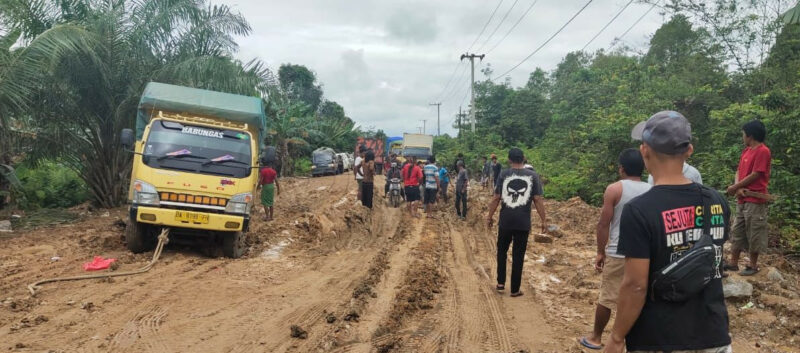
x,y
179,99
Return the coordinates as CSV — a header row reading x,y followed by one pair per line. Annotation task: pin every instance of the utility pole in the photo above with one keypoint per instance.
x,y
438,127
471,58
460,117
423,125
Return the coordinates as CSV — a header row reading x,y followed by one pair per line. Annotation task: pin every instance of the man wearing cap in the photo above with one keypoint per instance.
x,y
750,228
658,228
516,189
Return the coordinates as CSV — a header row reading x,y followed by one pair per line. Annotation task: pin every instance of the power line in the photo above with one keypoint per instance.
x,y
617,39
452,75
498,25
486,24
545,42
470,47
607,24
513,27
456,84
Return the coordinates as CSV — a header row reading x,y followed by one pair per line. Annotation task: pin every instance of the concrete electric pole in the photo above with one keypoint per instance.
x,y
424,130
438,127
471,58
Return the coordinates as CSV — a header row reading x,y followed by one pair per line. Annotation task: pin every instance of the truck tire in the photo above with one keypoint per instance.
x,y
138,237
233,244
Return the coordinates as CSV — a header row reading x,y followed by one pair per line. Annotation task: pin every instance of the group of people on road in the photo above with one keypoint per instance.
x,y
646,228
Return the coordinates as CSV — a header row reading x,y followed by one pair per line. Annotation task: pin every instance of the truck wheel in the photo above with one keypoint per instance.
x,y
138,237
233,244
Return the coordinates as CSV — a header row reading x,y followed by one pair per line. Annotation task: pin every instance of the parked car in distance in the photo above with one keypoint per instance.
x,y
323,162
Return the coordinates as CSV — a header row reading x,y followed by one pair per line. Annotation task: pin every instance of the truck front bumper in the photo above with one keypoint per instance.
x,y
166,217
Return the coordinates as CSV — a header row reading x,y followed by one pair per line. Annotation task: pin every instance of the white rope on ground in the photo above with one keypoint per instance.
x,y
162,240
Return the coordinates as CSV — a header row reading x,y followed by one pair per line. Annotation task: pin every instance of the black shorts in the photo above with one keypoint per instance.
x,y
412,193
430,195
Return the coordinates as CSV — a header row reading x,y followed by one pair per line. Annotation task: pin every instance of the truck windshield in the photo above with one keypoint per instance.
x,y
198,149
322,158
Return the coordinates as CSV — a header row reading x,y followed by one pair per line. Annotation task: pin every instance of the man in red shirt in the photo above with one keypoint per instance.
x,y
412,174
749,230
268,181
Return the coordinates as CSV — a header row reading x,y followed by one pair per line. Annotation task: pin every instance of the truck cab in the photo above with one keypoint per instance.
x,y
195,168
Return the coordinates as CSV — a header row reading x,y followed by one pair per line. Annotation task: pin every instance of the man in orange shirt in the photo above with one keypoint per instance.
x,y
749,230
412,174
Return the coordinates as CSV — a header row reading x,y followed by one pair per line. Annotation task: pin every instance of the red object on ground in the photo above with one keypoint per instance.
x,y
99,263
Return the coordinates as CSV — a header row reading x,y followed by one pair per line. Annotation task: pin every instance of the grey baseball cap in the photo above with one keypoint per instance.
x,y
666,132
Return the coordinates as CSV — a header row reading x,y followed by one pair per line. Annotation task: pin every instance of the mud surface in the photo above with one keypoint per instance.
x,y
330,276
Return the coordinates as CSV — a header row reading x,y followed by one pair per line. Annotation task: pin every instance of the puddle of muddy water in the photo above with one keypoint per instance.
x,y
275,251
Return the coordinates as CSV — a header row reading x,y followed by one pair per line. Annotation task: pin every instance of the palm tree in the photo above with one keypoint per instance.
x,y
102,54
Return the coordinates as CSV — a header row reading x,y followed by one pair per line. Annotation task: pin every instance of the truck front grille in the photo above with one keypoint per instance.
x,y
193,199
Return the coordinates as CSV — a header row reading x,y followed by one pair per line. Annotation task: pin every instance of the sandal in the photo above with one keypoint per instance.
x,y
584,342
500,287
748,271
728,267
517,294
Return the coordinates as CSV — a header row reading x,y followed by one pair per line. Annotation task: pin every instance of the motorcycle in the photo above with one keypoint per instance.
x,y
394,193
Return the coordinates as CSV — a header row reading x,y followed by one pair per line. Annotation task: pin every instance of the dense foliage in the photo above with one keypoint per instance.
x,y
574,121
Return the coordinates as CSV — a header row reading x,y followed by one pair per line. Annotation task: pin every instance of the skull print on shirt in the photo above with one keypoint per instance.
x,y
516,190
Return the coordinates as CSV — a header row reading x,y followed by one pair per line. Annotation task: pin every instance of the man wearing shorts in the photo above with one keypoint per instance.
x,y
268,180
431,173
749,230
358,169
608,261
412,174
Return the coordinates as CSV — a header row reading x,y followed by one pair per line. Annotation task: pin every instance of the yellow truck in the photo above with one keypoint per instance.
x,y
195,166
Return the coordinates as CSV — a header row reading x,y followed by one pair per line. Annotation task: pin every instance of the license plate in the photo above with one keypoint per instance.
x,y
193,217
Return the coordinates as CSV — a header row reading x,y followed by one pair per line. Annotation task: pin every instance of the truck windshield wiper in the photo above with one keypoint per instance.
x,y
161,158
223,161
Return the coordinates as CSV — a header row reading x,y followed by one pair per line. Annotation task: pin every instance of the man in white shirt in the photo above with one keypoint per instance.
x,y
689,172
358,170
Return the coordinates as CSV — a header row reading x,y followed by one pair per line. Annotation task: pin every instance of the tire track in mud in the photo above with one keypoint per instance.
x,y
470,317
143,329
385,291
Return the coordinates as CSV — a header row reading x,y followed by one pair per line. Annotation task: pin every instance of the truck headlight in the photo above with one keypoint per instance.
x,y
313,167
145,193
239,203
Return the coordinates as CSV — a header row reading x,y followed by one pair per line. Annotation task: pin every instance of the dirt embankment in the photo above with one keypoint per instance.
x,y
330,276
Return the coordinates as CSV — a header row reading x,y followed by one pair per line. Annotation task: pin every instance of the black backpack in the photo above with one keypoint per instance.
x,y
691,273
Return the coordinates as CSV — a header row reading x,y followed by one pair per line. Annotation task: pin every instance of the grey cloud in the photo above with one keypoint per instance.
x,y
412,26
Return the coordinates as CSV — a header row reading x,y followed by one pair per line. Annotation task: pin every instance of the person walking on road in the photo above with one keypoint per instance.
x,y
749,230
486,172
431,173
658,228
516,189
357,168
444,182
412,174
268,181
462,184
496,168
608,261
368,184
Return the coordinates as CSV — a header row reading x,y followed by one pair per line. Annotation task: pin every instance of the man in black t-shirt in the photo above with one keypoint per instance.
x,y
656,229
516,188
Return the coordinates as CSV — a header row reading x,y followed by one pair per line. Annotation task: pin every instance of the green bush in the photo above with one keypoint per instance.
x,y
302,166
50,185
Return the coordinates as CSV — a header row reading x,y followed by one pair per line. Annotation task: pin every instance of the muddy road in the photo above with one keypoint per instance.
x,y
329,276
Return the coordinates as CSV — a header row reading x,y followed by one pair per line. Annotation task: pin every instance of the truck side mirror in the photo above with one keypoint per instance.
x,y
126,139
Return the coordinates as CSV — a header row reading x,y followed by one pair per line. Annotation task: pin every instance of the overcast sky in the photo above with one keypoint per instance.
x,y
385,61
